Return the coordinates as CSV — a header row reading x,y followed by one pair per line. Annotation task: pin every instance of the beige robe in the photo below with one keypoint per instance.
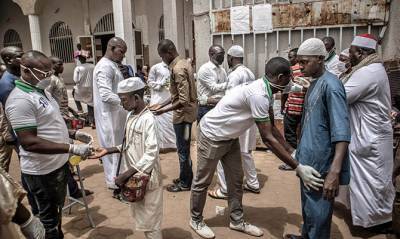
x,y
141,152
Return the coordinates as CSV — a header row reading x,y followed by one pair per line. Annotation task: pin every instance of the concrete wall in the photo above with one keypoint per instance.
x,y
11,17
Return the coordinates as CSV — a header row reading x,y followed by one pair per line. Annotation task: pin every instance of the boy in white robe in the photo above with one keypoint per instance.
x,y
140,155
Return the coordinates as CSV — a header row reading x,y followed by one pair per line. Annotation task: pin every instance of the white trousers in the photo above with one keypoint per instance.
x,y
249,169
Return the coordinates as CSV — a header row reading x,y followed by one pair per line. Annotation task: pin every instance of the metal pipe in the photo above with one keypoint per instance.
x,y
302,35
341,39
277,42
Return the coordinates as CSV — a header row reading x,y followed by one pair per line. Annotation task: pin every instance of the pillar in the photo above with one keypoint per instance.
x,y
34,28
173,23
123,28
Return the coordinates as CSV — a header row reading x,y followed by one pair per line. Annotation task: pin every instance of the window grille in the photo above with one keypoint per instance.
x,y
61,43
11,38
161,34
105,25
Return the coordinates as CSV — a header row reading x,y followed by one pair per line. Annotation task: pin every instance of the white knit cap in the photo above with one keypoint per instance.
x,y
365,40
236,51
130,85
312,47
345,52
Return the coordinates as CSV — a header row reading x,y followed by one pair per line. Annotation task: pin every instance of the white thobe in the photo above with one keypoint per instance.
x,y
109,114
158,82
83,78
141,153
371,148
247,140
332,65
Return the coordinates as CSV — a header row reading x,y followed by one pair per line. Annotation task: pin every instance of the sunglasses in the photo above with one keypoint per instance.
x,y
44,73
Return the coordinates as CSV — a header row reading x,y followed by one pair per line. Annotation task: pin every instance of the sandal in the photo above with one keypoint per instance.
x,y
250,189
285,167
292,236
217,194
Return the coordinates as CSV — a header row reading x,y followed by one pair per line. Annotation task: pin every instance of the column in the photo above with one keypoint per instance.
x,y
123,28
173,23
34,27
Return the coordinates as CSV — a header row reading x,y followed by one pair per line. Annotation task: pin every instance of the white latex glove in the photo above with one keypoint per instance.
x,y
83,150
83,137
202,99
310,177
33,228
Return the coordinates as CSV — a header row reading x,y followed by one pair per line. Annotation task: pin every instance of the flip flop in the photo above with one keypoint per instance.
x,y
217,194
285,167
250,189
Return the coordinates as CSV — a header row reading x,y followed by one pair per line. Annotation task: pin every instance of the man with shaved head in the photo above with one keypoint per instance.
x,y
212,81
35,117
184,107
109,114
11,56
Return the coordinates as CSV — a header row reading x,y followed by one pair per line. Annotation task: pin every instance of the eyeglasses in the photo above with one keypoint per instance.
x,y
44,73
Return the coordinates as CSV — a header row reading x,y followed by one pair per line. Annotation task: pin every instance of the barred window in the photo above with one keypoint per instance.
x,y
105,25
11,38
61,43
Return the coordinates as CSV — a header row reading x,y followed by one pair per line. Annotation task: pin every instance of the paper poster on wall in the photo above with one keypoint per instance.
x,y
262,18
240,20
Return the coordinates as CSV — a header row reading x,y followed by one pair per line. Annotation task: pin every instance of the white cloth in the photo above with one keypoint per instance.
x,y
332,65
83,78
371,148
28,108
109,114
158,82
237,111
249,170
211,80
141,153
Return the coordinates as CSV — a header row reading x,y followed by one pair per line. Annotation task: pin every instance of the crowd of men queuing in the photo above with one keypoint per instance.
x,y
338,134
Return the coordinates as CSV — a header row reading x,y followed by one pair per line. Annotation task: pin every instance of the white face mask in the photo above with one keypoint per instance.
x,y
42,83
341,66
296,88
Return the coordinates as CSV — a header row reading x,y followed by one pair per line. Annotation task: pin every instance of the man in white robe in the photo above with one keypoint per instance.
x,y
140,155
371,148
158,82
239,74
109,114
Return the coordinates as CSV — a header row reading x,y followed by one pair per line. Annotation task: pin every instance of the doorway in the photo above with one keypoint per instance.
x,y
101,45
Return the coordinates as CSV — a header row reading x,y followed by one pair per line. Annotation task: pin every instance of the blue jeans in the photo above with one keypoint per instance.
x,y
49,191
183,132
202,110
317,214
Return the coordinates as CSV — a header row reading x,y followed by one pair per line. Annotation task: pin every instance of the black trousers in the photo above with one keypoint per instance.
x,y
49,191
290,124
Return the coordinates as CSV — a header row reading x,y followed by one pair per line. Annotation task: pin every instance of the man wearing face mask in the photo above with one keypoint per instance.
x,y
371,153
218,141
324,140
35,117
211,81
344,65
109,114
331,59
11,56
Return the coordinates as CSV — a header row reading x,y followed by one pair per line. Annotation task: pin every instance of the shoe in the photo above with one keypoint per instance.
x,y
291,236
247,228
250,189
176,181
174,188
217,194
201,229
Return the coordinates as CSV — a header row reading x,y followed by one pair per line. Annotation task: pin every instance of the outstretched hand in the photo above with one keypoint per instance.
x,y
98,153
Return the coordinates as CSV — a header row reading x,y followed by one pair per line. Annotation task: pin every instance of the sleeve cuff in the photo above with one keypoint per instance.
x,y
266,119
24,128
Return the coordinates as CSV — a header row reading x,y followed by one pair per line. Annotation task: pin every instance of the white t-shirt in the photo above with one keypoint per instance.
x,y
237,111
27,108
